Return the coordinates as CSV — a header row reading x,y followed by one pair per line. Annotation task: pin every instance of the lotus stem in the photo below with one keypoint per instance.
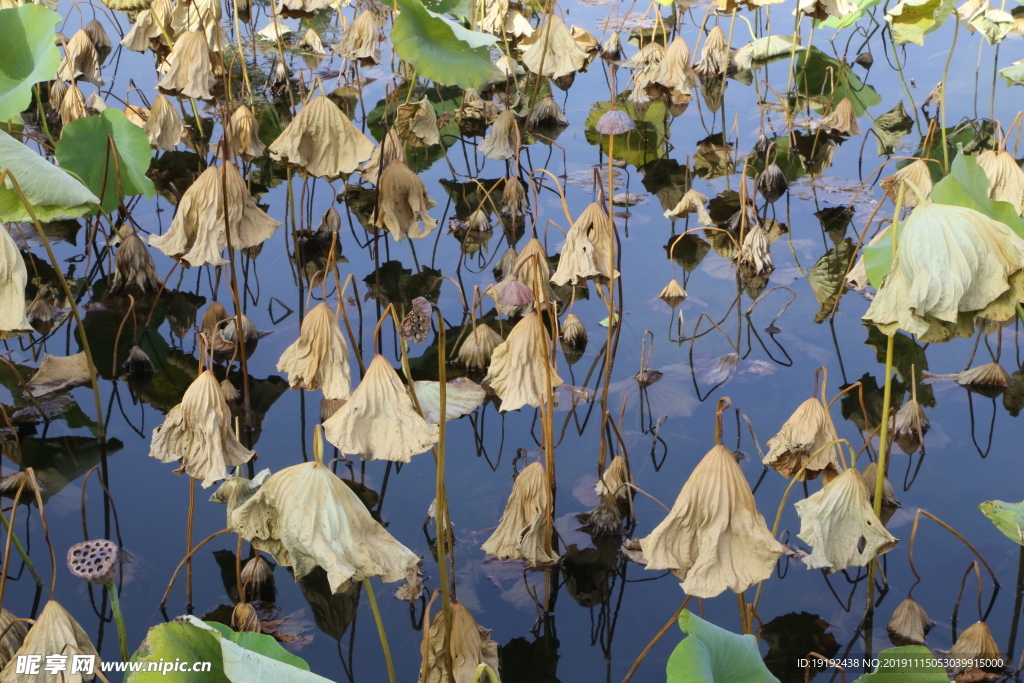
x,y
441,520
21,550
188,540
380,629
942,104
122,633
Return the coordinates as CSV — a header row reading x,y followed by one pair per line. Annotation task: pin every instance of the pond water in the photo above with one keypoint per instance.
x,y
600,609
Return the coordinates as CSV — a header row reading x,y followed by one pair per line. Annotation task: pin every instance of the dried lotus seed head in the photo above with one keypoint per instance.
x,y
94,561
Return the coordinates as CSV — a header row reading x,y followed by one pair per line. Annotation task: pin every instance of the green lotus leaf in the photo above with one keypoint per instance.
x,y
710,654
431,45
912,20
83,150
909,663
1013,74
891,127
53,194
1008,518
28,55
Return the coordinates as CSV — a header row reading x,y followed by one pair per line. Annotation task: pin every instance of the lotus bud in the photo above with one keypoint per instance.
x,y
840,526
954,265
258,579
56,93
524,532
361,40
54,630
755,251
533,270
573,331
691,202
616,480
94,561
975,644
469,648
506,264
909,624
909,426
322,141
245,619
134,267
612,48
199,224
546,113
404,203
673,294
772,183
714,55
843,120
513,201
197,434
675,71
72,105
615,122
554,53
587,251
241,135
379,421
80,60
1005,177
319,358
870,476
475,352
138,363
306,517
806,441
521,367
189,68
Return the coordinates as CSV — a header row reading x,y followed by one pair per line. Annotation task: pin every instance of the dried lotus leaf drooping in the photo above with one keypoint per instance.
x,y
198,225
319,357
322,141
54,630
134,267
973,648
306,517
379,421
417,123
475,352
360,42
588,249
909,426
714,538
521,370
72,105
189,68
13,279
807,442
236,489
1005,177
81,60
546,113
840,526
691,202
164,125
241,136
404,202
918,173
843,120
554,53
470,648
673,294
532,269
573,331
198,434
524,532
909,624
714,56
675,71
503,140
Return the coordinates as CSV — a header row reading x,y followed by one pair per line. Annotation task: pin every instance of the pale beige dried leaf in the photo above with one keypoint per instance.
x,y
80,60
404,203
198,225
322,141
518,26
714,538
379,421
675,71
417,123
57,373
714,55
755,252
909,426
198,433
134,267
532,269
475,352
199,15
72,105
242,135
974,645
1005,177
189,67
319,358
573,330
13,278
842,120
909,623
164,126
546,112
508,67
361,40
137,115
801,442
521,370
513,199
616,480
311,41
306,517
55,633
14,635
390,149
821,10
554,53
493,16
503,140
673,294
691,202
274,31
462,396
840,526
870,475
98,35
524,532
584,39
917,173
237,489
470,647
587,250
303,6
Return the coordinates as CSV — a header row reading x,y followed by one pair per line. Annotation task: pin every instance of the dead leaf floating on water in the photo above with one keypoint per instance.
x,y
554,53
322,141
306,517
470,647
379,421
198,225
840,526
954,265
806,440
524,532
189,68
404,203
57,373
909,624
55,631
521,367
197,434
714,538
13,279
319,357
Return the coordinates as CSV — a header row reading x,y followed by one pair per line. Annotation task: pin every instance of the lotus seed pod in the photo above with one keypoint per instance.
x,y
94,561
